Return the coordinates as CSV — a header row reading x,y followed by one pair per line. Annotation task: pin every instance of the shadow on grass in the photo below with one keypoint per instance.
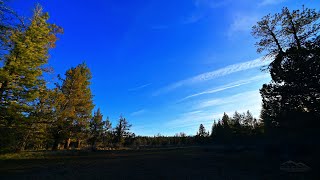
x,y
205,162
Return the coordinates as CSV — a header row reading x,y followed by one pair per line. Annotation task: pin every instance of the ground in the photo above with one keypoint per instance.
x,y
202,162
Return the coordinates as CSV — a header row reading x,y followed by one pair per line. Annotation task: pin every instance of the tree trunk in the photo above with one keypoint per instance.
x,y
276,41
67,143
55,145
78,143
94,146
22,145
294,30
3,87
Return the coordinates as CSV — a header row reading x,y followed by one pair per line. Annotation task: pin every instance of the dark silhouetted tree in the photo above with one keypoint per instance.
x,y
107,133
248,119
227,129
242,125
294,68
217,131
202,131
202,134
121,131
236,123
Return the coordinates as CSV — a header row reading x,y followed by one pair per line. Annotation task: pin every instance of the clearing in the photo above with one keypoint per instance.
x,y
204,162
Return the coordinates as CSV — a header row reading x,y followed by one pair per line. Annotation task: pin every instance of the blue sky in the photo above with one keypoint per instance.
x,y
166,65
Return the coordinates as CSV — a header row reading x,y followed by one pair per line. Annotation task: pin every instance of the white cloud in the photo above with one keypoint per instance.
x,y
139,87
159,27
207,111
203,7
228,86
271,2
211,3
193,18
242,23
238,99
193,119
136,113
214,74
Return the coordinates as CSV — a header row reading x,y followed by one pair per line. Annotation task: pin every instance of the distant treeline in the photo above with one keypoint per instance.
x,y
227,130
33,116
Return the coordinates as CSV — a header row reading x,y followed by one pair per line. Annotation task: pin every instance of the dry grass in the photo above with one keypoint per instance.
x,y
174,163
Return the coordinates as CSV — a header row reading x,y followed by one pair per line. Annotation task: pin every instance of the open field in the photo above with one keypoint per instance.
x,y
174,163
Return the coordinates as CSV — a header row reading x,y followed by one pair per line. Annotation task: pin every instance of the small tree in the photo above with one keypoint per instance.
x,y
121,131
236,123
202,131
96,129
202,134
107,133
248,119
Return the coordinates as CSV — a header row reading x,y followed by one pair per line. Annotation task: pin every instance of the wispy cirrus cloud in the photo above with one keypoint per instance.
x,y
271,2
227,86
242,23
194,119
211,3
240,98
202,9
208,110
159,27
214,74
193,18
139,87
139,112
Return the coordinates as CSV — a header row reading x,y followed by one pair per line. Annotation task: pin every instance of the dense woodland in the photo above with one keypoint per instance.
x,y
34,116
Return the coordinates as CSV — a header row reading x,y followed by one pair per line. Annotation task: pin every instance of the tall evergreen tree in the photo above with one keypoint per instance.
x,y
21,80
225,121
214,130
294,68
236,123
77,104
227,129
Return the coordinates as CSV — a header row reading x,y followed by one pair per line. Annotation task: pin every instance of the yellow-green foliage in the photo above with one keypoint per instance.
x,y
21,79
